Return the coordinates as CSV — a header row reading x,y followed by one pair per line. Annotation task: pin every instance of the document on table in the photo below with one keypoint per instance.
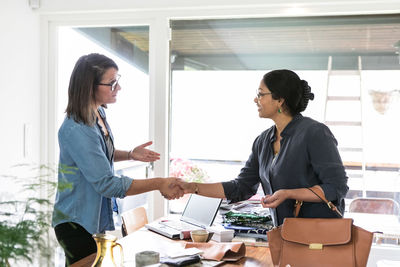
x,y
184,252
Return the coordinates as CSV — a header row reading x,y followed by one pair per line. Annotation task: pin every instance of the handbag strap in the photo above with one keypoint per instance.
x,y
321,196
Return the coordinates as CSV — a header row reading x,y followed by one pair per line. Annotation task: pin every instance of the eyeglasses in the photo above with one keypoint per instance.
x,y
113,84
259,95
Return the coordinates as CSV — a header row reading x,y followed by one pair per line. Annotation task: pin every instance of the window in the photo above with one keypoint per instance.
x,y
216,65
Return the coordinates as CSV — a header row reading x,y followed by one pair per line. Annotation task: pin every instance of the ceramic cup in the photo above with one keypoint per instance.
x,y
146,258
199,235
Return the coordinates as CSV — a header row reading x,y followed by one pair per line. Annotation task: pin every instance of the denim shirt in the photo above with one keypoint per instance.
x,y
84,164
308,156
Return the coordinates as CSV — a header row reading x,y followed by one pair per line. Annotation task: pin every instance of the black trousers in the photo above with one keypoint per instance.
x,y
75,240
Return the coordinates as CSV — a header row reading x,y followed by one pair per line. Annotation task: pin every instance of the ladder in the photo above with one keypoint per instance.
x,y
345,119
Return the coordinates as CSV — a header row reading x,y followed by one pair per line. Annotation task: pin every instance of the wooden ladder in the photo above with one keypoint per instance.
x,y
339,98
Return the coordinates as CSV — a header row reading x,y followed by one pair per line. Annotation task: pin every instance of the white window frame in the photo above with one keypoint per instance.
x,y
158,75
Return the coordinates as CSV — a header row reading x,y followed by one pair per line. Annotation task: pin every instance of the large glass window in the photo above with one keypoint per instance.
x,y
351,63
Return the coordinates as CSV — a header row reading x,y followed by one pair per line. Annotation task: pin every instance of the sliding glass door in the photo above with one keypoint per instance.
x,y
128,46
351,63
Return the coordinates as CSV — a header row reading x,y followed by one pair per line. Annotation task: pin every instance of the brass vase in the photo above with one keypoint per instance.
x,y
105,256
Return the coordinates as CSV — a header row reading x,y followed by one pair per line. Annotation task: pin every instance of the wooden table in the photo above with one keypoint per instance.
x,y
144,239
85,262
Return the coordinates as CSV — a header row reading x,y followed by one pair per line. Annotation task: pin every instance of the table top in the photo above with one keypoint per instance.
x,y
144,239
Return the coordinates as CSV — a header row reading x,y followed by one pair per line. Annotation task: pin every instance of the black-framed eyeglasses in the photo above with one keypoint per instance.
x,y
112,84
259,94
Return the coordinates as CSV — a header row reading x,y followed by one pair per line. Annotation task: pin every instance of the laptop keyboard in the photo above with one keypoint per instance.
x,y
179,225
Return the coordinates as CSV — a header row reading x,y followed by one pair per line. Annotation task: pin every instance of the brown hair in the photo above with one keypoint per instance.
x,y
85,77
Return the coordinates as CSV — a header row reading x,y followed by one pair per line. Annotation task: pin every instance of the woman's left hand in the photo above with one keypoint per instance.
x,y
141,153
274,200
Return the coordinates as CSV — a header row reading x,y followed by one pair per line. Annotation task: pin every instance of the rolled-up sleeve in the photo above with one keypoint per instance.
x,y
326,162
85,149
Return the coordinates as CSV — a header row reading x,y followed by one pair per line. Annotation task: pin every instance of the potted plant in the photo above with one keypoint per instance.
x,y
25,217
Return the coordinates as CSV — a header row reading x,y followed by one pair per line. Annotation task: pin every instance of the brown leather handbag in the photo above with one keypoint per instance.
x,y
312,242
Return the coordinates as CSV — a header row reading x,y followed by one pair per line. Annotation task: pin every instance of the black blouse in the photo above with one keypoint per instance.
x,y
308,156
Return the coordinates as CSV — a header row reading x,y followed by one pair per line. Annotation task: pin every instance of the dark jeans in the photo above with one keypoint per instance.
x,y
75,240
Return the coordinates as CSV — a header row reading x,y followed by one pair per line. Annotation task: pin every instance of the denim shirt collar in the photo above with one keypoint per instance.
x,y
102,114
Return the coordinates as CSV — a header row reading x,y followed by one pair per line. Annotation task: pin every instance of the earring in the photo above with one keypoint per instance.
x,y
279,110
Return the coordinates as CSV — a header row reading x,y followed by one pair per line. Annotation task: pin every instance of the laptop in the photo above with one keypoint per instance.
x,y
199,213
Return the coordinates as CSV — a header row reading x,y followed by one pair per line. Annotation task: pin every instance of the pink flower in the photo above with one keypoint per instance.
x,y
187,170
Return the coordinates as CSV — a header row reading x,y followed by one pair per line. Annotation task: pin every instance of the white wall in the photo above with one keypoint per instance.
x,y
19,92
20,82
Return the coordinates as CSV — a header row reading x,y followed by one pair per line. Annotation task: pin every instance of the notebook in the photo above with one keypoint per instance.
x,y
199,213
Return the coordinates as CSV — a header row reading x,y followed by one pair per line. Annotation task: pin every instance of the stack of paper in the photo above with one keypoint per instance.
x,y
220,233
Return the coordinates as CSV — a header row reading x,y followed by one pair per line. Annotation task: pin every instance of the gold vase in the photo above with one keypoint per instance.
x,y
105,256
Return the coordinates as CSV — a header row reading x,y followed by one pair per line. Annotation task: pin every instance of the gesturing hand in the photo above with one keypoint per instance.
x,y
141,153
171,188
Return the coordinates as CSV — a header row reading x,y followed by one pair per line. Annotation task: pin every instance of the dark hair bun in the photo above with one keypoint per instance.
x,y
307,95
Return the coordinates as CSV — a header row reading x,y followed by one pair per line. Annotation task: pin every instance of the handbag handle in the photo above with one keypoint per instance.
x,y
321,196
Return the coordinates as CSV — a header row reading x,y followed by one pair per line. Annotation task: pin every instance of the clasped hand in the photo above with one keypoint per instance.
x,y
172,188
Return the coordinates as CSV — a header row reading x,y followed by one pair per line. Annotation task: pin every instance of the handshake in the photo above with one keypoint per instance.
x,y
174,188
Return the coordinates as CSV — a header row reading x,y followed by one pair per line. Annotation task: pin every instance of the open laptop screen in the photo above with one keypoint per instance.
x,y
201,211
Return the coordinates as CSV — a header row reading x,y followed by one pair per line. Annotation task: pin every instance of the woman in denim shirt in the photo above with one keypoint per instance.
x,y
295,154
86,160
